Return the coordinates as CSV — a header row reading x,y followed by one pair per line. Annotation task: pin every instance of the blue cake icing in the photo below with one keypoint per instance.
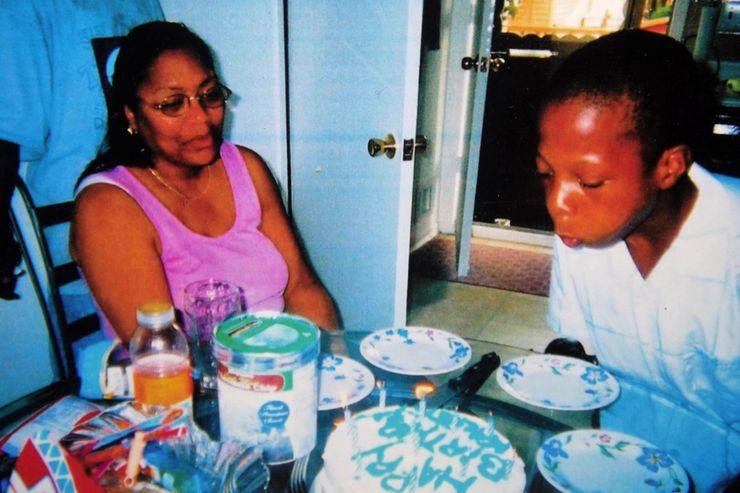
x,y
391,450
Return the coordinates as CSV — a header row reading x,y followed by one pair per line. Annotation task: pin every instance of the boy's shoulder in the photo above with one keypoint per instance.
x,y
723,190
732,185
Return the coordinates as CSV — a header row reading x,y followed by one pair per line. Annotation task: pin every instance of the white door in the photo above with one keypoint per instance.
x,y
353,70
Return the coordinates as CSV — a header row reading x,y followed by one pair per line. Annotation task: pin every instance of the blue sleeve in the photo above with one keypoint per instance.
x,y
25,78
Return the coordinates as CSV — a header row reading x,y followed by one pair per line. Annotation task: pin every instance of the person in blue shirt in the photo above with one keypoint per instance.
x,y
646,260
52,105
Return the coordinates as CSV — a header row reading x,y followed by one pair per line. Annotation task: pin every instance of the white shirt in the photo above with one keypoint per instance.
x,y
673,339
677,331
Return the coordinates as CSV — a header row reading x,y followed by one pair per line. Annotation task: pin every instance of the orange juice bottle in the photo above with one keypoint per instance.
x,y
161,360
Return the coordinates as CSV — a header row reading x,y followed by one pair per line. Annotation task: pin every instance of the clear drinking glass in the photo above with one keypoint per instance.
x,y
207,303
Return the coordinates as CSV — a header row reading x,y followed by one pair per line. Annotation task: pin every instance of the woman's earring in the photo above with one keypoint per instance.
x,y
131,130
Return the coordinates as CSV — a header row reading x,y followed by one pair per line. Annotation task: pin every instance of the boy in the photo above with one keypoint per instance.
x,y
647,255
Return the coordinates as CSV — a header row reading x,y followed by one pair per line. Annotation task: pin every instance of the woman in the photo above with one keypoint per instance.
x,y
168,202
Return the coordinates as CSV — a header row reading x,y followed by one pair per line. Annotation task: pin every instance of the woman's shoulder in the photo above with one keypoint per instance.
x,y
100,191
105,212
119,206
115,176
250,156
261,175
105,182
105,209
258,169
108,191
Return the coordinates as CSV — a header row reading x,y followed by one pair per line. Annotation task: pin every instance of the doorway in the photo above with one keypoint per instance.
x,y
532,38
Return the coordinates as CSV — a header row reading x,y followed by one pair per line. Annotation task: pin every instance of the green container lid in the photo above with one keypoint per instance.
x,y
266,342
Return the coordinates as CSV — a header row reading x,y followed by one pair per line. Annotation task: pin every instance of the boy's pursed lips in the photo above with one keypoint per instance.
x,y
569,241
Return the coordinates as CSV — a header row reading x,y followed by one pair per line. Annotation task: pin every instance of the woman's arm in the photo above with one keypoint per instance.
x,y
117,249
304,295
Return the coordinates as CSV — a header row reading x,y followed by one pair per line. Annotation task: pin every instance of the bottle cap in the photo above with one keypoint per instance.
x,y
155,314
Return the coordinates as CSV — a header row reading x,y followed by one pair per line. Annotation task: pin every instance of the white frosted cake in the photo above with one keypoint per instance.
x,y
385,450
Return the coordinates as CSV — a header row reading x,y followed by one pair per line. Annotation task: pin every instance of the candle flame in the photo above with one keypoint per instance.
x,y
424,388
380,384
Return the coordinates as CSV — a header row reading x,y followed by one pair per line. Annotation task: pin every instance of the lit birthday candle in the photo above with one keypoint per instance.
x,y
490,424
382,393
454,426
345,408
421,390
416,449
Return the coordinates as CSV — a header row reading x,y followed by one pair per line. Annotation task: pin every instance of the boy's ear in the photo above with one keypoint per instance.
x,y
672,165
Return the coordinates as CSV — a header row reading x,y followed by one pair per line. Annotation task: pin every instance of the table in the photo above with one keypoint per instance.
x,y
524,425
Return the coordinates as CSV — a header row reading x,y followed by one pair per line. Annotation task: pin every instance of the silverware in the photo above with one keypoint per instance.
x,y
298,475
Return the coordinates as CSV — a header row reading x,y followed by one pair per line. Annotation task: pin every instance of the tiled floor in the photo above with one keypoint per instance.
x,y
489,314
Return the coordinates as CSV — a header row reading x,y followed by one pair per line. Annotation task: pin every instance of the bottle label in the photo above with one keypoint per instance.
x,y
162,380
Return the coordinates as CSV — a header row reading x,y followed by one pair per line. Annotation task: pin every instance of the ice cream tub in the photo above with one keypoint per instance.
x,y
268,382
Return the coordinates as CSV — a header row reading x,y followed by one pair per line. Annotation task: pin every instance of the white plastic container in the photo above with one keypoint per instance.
x,y
268,382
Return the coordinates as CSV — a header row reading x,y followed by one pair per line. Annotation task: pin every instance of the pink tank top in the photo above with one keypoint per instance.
x,y
242,255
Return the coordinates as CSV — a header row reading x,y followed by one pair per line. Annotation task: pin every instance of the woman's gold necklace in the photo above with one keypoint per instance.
x,y
185,199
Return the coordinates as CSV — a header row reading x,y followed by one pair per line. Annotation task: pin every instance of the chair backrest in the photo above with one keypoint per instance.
x,y
59,274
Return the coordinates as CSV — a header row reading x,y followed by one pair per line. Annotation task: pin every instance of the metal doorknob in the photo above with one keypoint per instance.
x,y
387,146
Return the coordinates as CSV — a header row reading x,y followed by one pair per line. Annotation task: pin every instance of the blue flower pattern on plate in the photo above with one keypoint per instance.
x,y
378,343
330,362
342,378
511,371
460,351
653,459
594,374
584,450
557,382
554,449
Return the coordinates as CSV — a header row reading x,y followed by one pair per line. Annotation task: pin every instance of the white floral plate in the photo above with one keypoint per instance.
x,y
558,382
415,350
342,381
582,461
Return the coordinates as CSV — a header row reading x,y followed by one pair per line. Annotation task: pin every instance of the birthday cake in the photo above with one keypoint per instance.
x,y
391,450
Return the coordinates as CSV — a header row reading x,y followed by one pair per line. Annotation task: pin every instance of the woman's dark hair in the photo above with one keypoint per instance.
x,y
138,51
674,96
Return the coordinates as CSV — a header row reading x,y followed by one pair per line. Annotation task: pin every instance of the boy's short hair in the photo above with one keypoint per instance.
x,y
674,96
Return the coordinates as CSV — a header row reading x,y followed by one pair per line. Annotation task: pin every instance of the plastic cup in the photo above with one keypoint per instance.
x,y
207,303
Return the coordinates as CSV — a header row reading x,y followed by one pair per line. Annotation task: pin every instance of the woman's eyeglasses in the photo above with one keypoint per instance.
x,y
214,97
